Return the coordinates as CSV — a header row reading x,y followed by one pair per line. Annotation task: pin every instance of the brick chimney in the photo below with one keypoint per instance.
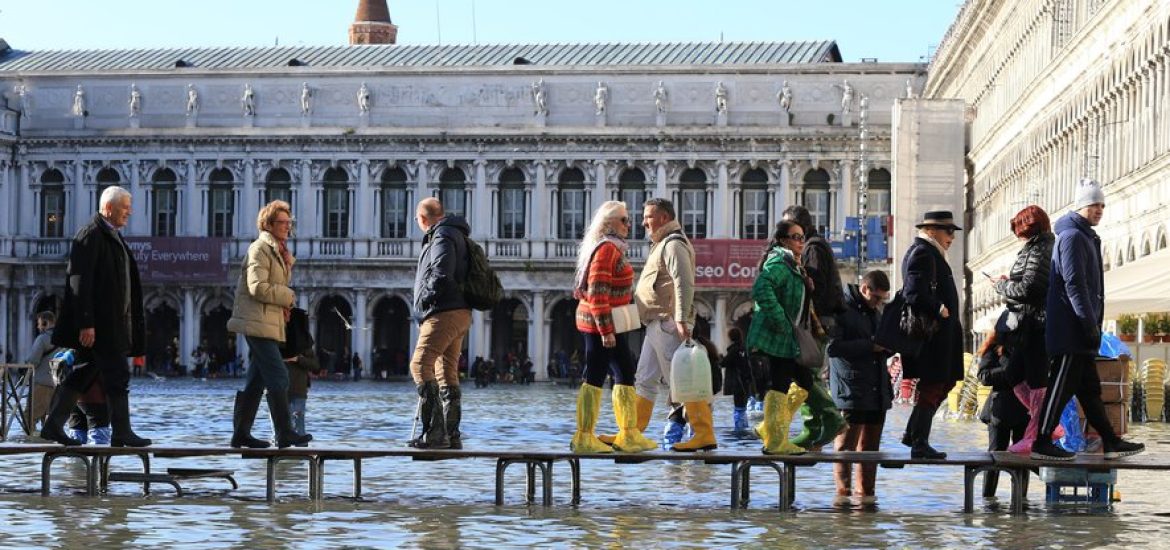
x,y
372,24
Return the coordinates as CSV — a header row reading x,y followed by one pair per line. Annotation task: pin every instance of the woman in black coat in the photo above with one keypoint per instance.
x,y
1003,413
1025,289
929,287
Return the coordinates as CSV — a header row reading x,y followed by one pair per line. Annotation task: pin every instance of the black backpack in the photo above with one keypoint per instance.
x,y
482,289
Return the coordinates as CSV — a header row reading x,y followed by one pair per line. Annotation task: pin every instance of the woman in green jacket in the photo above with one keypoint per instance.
x,y
780,297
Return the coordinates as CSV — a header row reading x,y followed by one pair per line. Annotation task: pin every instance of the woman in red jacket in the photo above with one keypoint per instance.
x,y
605,281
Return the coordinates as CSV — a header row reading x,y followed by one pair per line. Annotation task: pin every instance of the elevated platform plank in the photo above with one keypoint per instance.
x,y
539,461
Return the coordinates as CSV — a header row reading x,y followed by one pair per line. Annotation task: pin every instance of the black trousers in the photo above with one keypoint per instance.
x,y
113,370
1071,375
999,438
601,361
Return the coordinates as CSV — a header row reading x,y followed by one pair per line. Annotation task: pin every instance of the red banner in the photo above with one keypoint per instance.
x,y
180,259
727,263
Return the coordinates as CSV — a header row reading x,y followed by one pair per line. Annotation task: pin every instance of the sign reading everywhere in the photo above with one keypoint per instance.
x,y
179,259
727,263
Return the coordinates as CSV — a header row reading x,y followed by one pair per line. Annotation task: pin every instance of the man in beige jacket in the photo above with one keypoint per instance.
x,y
665,295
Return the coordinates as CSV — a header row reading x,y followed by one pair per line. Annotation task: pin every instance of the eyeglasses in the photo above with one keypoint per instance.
x,y
288,222
950,231
798,237
625,220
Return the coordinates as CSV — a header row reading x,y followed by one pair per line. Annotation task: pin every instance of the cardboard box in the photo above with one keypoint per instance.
x,y
1116,392
1118,414
1113,370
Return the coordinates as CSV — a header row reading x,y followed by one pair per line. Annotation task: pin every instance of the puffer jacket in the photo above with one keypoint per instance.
x,y
858,377
1026,288
442,267
827,295
263,291
1076,289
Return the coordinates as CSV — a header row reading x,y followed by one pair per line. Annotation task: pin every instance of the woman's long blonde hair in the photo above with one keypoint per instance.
x,y
600,226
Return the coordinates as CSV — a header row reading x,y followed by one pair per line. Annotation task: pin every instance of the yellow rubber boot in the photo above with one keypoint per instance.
x,y
588,409
625,408
645,409
778,411
699,415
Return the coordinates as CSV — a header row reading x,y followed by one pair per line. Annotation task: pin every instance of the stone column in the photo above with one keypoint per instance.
x,y
720,327
421,192
845,195
190,208
247,218
24,222
785,195
599,195
542,211
306,211
537,340
660,180
365,204
138,223
721,204
187,335
23,326
82,211
480,220
475,335
5,342
6,228
360,342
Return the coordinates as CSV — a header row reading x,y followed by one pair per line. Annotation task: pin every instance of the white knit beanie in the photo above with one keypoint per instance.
x,y
1089,193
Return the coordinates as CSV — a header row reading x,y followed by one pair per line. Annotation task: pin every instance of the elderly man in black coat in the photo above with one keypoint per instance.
x,y
929,288
102,319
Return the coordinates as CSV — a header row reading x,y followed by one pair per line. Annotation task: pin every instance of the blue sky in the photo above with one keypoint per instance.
x,y
890,30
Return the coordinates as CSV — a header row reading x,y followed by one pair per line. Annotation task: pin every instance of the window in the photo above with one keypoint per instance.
x,y
53,204
278,186
395,212
453,192
632,187
571,204
336,204
105,177
754,205
164,203
221,203
693,214
512,204
816,199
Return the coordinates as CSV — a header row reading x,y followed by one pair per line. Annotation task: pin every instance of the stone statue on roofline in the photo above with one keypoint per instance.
x,y
135,100
846,96
661,97
720,97
363,99
785,97
248,102
539,101
601,98
192,100
79,102
23,100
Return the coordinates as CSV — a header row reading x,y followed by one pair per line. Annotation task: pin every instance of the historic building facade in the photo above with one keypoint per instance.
x,y
1057,91
525,141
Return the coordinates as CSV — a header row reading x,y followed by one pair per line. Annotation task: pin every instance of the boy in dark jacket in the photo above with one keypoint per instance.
x,y
860,382
1003,413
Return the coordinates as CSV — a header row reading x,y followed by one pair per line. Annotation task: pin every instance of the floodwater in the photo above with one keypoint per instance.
x,y
449,504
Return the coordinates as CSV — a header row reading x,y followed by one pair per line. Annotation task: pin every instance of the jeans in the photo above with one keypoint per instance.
x,y
296,407
266,368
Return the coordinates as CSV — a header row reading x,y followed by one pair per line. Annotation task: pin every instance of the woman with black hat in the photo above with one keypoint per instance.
x,y
929,289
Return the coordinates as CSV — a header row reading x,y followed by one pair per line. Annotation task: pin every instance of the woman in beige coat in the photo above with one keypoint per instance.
x,y
261,309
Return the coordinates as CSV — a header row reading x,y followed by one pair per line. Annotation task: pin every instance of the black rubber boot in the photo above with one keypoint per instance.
x,y
908,435
243,416
123,435
282,421
436,438
54,427
426,414
921,447
453,413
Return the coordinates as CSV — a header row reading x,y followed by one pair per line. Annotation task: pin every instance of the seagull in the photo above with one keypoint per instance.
x,y
348,326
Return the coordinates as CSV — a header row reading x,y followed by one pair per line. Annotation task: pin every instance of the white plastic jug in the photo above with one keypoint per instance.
x,y
690,373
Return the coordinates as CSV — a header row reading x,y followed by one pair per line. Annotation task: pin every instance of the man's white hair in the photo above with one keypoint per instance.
x,y
111,194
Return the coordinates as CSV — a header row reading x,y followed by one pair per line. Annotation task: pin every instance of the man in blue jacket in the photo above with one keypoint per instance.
x,y
444,319
1075,310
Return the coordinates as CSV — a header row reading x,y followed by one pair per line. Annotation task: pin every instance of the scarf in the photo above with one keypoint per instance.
x,y
926,237
661,233
581,277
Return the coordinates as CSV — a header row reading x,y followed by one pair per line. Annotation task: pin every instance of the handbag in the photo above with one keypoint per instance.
x,y
810,356
916,324
625,318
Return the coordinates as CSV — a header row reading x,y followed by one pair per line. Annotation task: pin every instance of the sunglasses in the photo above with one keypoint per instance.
x,y
625,220
798,237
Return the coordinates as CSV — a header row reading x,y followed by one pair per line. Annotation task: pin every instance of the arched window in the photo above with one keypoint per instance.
x,y
632,190
52,204
571,204
453,192
754,204
395,207
693,211
105,177
336,188
512,204
164,202
221,201
278,186
816,199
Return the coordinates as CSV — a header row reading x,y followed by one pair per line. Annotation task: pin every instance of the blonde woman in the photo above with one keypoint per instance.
x,y
604,281
262,306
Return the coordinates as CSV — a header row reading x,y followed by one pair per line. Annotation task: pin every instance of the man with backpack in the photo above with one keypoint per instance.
x,y
444,318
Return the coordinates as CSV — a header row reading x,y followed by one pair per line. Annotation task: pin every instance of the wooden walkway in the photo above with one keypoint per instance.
x,y
538,464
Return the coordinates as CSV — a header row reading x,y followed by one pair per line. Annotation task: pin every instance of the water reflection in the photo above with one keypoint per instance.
x,y
449,503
